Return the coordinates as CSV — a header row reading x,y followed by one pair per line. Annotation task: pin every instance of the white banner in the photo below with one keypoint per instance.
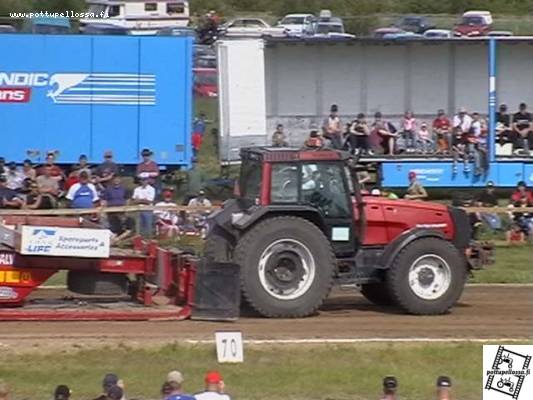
x,y
65,242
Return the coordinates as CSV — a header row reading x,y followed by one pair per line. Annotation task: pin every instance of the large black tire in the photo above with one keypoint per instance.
x,y
449,259
97,283
377,293
302,234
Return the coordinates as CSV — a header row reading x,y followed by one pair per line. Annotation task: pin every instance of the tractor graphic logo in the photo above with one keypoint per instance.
x,y
117,89
507,372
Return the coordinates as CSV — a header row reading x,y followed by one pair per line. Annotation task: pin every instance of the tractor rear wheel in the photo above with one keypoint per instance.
x,y
377,293
287,267
427,277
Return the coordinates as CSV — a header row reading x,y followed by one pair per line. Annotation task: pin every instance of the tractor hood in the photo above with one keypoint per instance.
x,y
414,204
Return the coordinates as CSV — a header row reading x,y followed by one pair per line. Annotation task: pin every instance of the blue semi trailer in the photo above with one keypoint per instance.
x,y
82,94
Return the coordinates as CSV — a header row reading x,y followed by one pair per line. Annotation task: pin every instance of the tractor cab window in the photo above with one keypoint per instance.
x,y
322,186
284,186
250,180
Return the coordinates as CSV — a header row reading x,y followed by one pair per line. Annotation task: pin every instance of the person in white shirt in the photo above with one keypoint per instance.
x,y
214,388
167,220
462,122
200,200
15,177
145,195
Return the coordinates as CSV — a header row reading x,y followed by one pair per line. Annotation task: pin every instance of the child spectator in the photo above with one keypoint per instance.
x,y
148,168
515,235
442,129
415,191
278,137
424,139
408,124
144,194
332,128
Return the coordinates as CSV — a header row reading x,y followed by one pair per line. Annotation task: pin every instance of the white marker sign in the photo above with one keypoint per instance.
x,y
229,347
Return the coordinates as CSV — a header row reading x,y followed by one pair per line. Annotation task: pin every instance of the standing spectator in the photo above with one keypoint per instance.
x,y
148,168
503,126
442,129
36,200
175,381
522,128
385,132
196,141
408,126
15,178
332,127
278,137
8,197
116,195
214,388
358,136
5,393
199,124
106,171
28,170
200,200
424,138
444,387
82,194
390,387
55,172
415,191
145,195
314,141
47,184
167,220
84,165
477,144
62,392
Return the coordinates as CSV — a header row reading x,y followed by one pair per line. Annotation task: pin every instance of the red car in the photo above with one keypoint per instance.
x,y
474,25
206,82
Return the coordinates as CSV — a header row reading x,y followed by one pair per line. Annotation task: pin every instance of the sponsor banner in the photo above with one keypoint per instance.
x,y
66,242
15,94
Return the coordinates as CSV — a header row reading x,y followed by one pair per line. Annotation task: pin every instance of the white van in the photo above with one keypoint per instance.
x,y
145,16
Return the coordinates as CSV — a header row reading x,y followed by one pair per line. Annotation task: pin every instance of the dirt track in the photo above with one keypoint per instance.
x,y
483,313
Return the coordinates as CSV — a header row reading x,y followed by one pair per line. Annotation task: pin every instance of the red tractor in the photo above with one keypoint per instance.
x,y
301,225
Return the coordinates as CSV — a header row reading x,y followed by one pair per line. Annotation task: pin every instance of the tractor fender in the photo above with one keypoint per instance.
x,y
393,248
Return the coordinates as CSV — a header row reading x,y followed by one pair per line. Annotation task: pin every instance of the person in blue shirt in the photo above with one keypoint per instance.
x,y
175,386
199,124
82,194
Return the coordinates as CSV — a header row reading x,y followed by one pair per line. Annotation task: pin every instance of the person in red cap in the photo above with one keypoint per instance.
x,y
214,388
415,191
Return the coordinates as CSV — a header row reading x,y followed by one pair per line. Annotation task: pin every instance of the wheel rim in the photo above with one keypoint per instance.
x,y
286,269
430,277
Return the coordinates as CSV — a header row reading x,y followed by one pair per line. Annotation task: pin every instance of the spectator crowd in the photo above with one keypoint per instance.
x,y
49,186
463,137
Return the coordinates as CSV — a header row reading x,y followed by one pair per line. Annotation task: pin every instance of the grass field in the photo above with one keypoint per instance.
x,y
289,372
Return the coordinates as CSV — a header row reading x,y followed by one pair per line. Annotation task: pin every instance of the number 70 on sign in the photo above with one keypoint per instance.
x,y
229,347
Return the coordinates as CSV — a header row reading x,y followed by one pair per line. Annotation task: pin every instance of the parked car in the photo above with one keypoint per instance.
x,y
104,29
414,23
205,82
402,35
250,27
176,31
329,27
438,34
500,34
7,29
297,24
380,32
474,23
47,25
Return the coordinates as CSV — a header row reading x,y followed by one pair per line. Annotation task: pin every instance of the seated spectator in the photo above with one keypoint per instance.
x,y
523,130
504,132
106,171
408,125
54,171
28,170
82,194
47,183
167,220
462,122
442,131
488,199
358,136
415,191
515,235
523,198
84,164
144,194
62,392
8,197
200,200
477,144
148,168
386,132
315,141
332,128
424,139
35,200
278,137
214,388
14,176
175,381
390,387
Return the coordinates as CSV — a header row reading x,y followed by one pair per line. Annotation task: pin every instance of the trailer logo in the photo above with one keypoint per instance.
x,y
507,372
8,293
80,88
42,241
